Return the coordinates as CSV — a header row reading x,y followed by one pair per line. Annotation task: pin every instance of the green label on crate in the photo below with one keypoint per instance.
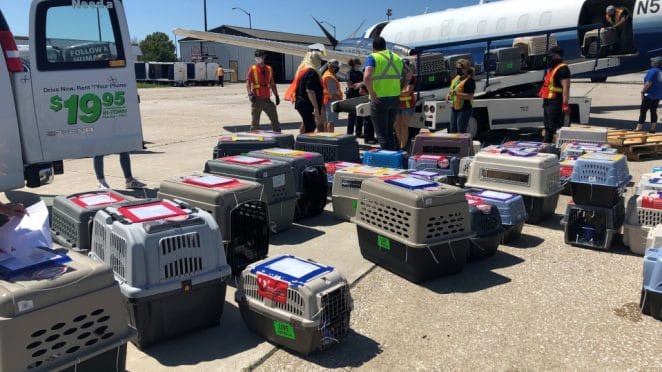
x,y
355,203
283,329
383,243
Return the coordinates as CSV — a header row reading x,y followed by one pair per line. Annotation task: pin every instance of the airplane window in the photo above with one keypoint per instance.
x,y
482,27
426,33
501,24
545,18
462,29
398,38
446,29
412,36
523,21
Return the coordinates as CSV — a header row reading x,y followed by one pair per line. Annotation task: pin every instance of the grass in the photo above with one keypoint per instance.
x,y
148,85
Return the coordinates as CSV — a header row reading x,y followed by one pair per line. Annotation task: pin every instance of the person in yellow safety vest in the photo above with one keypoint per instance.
x,y
461,94
407,108
382,77
332,92
219,75
617,19
555,93
259,85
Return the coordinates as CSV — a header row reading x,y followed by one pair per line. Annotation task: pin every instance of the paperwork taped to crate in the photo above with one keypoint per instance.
x,y
32,230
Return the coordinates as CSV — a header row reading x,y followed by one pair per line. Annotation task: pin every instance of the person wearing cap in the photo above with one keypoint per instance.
x,y
651,94
407,108
382,77
616,19
259,86
555,93
331,92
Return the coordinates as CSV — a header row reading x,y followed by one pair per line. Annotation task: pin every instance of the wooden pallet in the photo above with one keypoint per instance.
x,y
636,145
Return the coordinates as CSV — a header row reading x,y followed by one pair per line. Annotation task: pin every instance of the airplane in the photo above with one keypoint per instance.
x,y
498,20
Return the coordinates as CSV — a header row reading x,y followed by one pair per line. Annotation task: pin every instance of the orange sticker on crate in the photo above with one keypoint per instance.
x,y
273,289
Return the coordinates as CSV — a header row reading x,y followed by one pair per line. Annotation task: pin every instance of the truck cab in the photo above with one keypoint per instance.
x,y
71,94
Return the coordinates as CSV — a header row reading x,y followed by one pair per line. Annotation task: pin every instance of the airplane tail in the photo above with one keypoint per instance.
x,y
328,35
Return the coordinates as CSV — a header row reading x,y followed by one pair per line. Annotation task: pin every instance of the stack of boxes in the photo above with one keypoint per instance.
x,y
416,228
169,261
597,183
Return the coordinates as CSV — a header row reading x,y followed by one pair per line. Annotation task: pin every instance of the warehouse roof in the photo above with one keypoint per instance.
x,y
267,35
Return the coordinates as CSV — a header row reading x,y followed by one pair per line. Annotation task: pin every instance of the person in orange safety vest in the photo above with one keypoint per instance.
x,y
259,86
332,92
555,93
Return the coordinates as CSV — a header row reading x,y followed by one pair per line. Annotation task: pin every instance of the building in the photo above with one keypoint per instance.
x,y
241,58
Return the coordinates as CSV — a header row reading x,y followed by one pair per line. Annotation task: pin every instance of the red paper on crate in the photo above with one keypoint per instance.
x,y
273,289
332,167
210,181
151,212
652,201
96,199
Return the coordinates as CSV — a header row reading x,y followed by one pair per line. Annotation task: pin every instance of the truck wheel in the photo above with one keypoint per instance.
x,y
598,79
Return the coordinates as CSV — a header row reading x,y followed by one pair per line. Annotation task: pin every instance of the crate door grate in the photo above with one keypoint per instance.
x,y
445,225
594,173
294,304
249,234
99,238
279,194
118,255
65,228
385,217
180,257
553,181
579,221
649,217
334,322
64,337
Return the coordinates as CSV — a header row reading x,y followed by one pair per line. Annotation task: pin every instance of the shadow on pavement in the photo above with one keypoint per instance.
x,y
230,338
297,234
353,352
140,193
525,241
325,219
614,123
606,109
552,222
476,276
232,128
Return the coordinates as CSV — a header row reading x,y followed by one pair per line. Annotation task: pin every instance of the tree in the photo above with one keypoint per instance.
x,y
158,47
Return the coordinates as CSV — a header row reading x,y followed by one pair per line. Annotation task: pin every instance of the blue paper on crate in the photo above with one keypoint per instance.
x,y
14,263
411,183
291,269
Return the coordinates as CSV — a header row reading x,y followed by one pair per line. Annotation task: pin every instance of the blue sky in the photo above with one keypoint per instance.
x,y
147,16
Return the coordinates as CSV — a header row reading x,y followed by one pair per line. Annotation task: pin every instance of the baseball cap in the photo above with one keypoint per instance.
x,y
556,50
333,63
260,53
610,9
657,61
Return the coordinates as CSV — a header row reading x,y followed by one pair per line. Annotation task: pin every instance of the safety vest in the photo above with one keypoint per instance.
x,y
548,89
219,72
387,73
457,86
325,80
260,80
617,16
408,100
291,92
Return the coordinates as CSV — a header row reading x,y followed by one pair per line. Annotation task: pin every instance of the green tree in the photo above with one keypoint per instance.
x,y
158,47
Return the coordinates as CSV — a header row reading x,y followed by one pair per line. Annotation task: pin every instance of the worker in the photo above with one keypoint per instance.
x,y
555,93
12,209
259,85
368,128
651,94
306,91
354,80
618,19
125,164
219,74
407,108
461,94
382,77
331,92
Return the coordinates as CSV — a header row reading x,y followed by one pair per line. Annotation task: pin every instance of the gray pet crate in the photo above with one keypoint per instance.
x,y
68,316
238,207
277,178
169,261
332,146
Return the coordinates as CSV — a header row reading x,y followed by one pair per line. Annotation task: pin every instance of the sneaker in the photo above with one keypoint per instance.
x,y
134,184
103,184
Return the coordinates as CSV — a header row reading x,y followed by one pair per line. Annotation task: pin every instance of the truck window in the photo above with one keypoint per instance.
x,y
70,36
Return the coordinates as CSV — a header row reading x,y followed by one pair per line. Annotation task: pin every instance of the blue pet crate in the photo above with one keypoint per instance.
x,y
599,179
511,210
486,229
384,159
651,293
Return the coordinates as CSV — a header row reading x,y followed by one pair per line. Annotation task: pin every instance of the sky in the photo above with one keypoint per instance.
x,y
147,16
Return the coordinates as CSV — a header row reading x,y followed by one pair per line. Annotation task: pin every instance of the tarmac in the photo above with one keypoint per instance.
x,y
538,304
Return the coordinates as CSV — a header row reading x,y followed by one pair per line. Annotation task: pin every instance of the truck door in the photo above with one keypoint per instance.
x,y
83,80
11,162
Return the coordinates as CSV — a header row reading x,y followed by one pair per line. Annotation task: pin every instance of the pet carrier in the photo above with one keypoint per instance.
x,y
63,316
309,177
600,42
384,158
446,166
283,140
416,228
332,146
599,179
651,292
654,238
576,149
234,144
643,213
649,182
584,134
536,146
72,216
238,207
449,144
333,167
347,184
294,303
486,228
275,176
593,227
508,60
169,261
511,210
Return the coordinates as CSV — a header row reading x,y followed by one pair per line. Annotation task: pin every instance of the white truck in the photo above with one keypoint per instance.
x,y
75,94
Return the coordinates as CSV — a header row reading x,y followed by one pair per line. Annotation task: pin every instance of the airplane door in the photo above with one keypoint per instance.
x,y
83,80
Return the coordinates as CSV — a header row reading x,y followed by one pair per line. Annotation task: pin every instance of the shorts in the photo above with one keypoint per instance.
x,y
331,117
